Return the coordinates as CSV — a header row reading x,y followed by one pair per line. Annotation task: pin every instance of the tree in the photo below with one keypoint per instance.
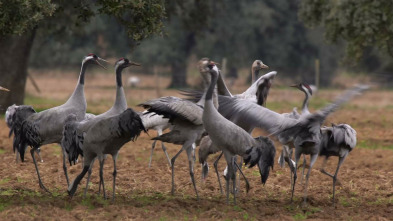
x,y
361,23
21,19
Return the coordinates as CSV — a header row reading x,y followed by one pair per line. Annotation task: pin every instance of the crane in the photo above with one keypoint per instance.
x,y
74,130
256,93
187,128
8,119
106,136
46,127
233,140
337,140
303,133
158,123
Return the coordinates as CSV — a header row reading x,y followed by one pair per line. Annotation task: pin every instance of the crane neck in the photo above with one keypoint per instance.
x,y
119,81
210,89
305,103
255,73
82,73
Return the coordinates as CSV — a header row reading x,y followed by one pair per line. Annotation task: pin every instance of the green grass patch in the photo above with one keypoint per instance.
x,y
373,145
2,151
4,181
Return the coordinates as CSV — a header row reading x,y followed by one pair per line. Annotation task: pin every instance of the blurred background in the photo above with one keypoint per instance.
x,y
299,39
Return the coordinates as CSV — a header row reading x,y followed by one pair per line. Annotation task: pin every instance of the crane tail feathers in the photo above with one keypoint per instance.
x,y
262,155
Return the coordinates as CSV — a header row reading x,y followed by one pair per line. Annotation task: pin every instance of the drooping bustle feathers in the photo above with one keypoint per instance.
x,y
130,124
22,129
263,155
70,141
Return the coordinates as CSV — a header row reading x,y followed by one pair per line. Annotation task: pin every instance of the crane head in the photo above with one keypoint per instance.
x,y
124,62
258,65
3,89
94,59
303,87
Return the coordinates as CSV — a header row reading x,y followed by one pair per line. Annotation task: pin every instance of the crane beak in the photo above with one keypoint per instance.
x,y
3,89
133,63
295,85
264,66
99,64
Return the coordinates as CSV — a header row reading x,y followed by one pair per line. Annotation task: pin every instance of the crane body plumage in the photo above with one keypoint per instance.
x,y
233,140
73,132
46,127
107,136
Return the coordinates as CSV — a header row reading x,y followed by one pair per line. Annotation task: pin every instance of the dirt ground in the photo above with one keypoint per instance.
x,y
364,190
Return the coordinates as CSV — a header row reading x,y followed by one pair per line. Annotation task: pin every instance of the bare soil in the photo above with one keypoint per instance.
x,y
364,190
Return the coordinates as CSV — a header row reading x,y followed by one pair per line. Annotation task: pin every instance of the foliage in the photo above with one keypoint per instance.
x,y
17,16
361,23
141,18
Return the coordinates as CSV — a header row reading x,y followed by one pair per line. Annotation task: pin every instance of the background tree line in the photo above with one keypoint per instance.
x,y
286,35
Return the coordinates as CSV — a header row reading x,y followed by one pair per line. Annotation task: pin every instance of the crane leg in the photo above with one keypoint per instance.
x,y
101,184
166,153
39,154
38,172
152,150
297,157
238,177
173,169
233,177
88,177
313,159
340,161
102,176
65,165
216,168
114,157
245,179
304,167
191,154
74,185
323,168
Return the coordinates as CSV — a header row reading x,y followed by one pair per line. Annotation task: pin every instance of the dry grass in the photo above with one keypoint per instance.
x,y
365,191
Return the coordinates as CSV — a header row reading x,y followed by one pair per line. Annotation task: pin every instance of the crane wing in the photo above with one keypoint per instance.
x,y
260,88
174,107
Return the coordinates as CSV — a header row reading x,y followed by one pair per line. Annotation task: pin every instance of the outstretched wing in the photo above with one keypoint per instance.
x,y
259,90
316,119
173,107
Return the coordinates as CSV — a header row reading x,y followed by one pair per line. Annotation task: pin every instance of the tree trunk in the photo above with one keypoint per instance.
x,y
14,57
179,66
179,74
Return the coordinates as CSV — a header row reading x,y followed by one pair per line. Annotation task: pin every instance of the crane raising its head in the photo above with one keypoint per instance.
x,y
124,62
3,89
94,59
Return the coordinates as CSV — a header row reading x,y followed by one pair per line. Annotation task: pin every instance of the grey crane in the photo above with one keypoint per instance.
x,y
256,66
8,119
233,140
286,153
303,134
337,140
74,130
256,93
3,89
37,129
158,123
106,136
187,128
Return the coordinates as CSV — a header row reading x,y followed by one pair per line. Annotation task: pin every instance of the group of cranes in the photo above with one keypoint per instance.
x,y
214,119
